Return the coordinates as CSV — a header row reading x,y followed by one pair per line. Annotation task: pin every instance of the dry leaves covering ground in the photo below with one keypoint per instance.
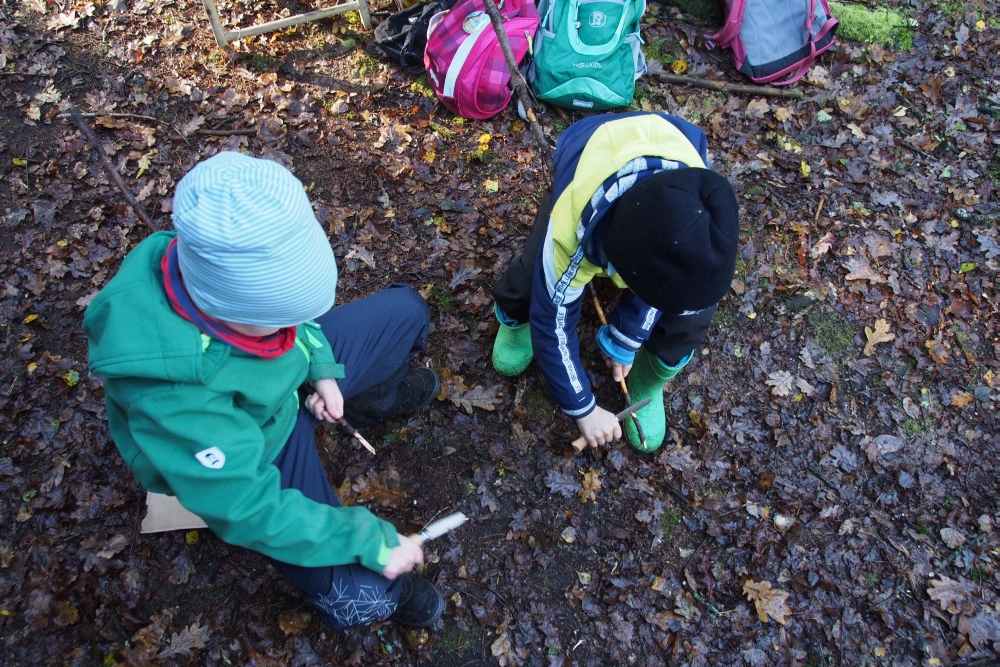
x,y
828,494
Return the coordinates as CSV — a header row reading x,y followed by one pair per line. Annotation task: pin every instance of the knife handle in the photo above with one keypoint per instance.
x,y
417,538
580,444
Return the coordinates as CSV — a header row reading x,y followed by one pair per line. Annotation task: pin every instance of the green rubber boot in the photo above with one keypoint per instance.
x,y
512,350
646,380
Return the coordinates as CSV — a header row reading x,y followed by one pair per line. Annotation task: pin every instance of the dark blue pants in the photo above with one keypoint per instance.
x,y
374,338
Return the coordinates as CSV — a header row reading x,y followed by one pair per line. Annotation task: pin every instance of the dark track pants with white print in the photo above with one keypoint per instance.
x,y
672,338
374,338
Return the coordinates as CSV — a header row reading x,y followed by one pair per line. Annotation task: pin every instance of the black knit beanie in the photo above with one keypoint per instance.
x,y
673,238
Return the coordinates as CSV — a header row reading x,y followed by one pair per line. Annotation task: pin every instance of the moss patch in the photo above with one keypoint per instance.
x,y
260,62
833,333
884,26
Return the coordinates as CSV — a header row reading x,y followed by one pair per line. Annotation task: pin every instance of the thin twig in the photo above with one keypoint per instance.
x,y
621,383
138,116
818,475
520,85
344,424
88,132
738,88
14,73
909,105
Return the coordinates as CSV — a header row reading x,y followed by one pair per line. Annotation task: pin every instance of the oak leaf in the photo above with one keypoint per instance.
x,y
953,596
860,269
487,398
781,381
184,643
769,601
880,334
961,398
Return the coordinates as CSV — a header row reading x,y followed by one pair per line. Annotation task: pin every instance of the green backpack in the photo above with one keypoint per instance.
x,y
587,53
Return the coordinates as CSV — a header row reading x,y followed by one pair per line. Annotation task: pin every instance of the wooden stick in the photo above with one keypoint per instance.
x,y
621,383
112,115
520,85
343,423
732,87
88,132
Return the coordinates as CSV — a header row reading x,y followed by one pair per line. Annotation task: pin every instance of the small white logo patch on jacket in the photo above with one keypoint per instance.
x,y
211,458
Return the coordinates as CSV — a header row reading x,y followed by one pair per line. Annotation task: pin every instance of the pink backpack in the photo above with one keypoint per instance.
x,y
771,39
464,63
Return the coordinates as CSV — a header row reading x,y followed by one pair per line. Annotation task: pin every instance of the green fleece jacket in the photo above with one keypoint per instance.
x,y
180,403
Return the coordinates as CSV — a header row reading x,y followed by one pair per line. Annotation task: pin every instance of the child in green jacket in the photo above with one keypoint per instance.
x,y
221,352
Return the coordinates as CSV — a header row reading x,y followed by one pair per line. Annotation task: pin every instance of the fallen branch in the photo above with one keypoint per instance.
x,y
7,72
738,88
138,116
520,85
88,132
978,218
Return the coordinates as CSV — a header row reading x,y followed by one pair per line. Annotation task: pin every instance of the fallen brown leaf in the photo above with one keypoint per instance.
x,y
770,602
880,334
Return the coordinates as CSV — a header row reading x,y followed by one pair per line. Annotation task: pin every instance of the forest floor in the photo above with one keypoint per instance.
x,y
828,491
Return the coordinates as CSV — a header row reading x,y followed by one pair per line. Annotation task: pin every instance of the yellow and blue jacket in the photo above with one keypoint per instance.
x,y
596,161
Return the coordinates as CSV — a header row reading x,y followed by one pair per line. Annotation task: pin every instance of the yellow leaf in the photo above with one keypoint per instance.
x,y
32,367
484,140
518,126
980,25
192,537
678,66
591,483
880,652
659,583
430,156
491,186
72,378
20,162
879,335
961,398
30,318
805,169
769,602
143,164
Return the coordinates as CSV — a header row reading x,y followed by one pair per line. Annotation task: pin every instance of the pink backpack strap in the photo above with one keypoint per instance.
x,y
728,32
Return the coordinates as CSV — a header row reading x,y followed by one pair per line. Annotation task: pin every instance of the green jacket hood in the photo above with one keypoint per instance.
x,y
132,331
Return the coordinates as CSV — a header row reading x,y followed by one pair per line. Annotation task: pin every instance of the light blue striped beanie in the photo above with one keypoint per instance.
x,y
249,247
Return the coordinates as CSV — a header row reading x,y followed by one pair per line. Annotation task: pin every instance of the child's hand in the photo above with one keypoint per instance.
x,y
326,403
599,427
618,371
404,558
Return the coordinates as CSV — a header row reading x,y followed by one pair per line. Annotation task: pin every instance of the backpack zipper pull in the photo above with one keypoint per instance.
x,y
531,47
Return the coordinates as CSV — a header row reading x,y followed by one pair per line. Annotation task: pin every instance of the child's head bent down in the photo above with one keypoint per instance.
x,y
249,248
672,238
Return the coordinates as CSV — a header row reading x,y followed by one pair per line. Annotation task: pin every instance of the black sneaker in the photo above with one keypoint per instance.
x,y
420,603
417,390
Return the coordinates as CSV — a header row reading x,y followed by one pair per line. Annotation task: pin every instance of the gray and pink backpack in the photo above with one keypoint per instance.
x,y
775,42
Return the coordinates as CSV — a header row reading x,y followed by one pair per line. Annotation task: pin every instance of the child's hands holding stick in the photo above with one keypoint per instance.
x,y
326,403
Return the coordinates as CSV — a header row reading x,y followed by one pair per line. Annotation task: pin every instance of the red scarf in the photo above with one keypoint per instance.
x,y
266,347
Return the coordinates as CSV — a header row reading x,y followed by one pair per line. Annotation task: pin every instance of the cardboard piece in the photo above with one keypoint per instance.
x,y
165,513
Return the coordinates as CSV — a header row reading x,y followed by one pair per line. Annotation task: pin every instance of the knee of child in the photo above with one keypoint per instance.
x,y
409,304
